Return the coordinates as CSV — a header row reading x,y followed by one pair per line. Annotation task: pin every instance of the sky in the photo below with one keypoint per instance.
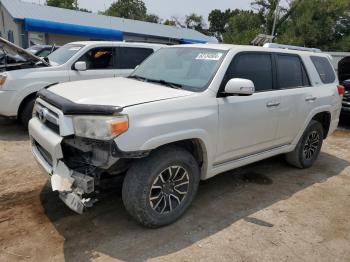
x,y
168,8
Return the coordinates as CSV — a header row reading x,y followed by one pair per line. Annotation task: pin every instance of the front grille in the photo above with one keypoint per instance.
x,y
46,155
48,117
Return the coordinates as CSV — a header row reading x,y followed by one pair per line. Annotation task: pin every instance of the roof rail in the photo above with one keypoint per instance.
x,y
292,47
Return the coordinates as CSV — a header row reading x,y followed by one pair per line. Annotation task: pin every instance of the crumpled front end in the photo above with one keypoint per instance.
x,y
75,165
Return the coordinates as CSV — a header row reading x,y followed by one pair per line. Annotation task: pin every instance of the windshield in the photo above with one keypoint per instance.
x,y
182,67
63,54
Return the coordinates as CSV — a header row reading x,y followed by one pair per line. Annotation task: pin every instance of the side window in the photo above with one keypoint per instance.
x,y
130,57
256,67
99,58
324,69
291,72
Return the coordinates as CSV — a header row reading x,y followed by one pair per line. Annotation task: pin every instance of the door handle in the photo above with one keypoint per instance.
x,y
310,99
273,104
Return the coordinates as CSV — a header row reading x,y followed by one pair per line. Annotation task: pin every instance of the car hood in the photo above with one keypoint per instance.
x,y
15,50
120,92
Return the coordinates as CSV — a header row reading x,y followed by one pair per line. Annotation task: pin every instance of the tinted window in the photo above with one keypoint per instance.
x,y
99,58
44,52
256,67
291,72
324,69
130,57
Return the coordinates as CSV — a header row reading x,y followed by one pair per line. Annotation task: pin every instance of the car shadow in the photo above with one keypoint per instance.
x,y
221,201
12,130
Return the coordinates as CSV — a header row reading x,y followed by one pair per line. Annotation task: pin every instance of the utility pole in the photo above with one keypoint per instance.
x,y
275,19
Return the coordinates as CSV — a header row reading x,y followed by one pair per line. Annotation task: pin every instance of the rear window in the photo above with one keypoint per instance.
x,y
291,72
324,69
131,57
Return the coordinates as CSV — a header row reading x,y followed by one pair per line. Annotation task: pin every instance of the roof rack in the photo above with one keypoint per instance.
x,y
292,47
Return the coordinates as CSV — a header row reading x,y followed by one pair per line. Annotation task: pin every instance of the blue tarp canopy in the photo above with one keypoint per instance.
x,y
192,41
37,25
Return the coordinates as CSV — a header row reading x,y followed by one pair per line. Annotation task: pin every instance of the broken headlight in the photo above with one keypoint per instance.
x,y
100,127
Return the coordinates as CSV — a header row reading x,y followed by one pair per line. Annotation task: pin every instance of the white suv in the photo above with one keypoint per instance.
x,y
20,82
187,113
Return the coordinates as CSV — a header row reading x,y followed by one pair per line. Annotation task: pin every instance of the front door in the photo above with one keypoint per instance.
x,y
248,124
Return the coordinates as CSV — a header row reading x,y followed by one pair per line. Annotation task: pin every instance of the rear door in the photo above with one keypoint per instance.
x,y
100,63
248,123
298,97
128,58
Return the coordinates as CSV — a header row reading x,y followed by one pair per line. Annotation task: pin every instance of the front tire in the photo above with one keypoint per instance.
x,y
157,190
308,148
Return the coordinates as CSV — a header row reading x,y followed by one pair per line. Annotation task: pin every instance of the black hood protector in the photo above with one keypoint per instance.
x,y
70,108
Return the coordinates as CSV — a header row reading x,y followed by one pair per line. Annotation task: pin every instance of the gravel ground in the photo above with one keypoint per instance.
x,y
267,211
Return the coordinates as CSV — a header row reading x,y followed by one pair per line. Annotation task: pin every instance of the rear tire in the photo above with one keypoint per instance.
x,y
308,147
157,190
27,112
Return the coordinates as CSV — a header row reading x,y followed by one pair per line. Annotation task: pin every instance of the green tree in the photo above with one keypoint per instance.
x,y
267,10
194,21
170,22
318,23
130,9
152,18
67,4
243,27
219,20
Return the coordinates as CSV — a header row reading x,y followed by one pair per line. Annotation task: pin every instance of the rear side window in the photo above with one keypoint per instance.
x,y
256,67
291,72
324,69
130,57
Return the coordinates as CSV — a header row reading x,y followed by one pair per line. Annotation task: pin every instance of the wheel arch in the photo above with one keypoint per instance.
x,y
325,119
32,94
24,102
196,147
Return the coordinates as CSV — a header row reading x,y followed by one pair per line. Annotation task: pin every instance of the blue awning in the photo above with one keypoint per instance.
x,y
192,41
37,25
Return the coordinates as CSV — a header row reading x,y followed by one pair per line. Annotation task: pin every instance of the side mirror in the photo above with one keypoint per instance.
x,y
80,66
239,86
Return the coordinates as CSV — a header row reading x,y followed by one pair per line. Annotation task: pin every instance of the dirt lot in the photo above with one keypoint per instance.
x,y
264,212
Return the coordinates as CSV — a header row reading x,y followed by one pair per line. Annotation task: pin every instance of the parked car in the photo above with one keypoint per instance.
x,y
72,62
346,99
186,114
42,50
13,57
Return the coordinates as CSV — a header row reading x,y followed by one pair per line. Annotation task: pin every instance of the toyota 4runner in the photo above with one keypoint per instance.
x,y
186,114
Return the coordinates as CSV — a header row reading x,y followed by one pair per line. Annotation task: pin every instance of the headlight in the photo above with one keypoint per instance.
x,y
100,127
3,78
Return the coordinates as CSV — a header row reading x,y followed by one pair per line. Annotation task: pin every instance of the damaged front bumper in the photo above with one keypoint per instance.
x,y
72,185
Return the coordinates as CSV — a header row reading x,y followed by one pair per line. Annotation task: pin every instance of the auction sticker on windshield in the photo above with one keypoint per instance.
x,y
209,56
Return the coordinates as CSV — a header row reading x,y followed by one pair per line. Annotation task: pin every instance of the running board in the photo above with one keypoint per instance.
x,y
235,163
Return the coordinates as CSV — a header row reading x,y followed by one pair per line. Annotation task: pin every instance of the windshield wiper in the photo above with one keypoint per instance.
x,y
140,78
160,81
165,83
